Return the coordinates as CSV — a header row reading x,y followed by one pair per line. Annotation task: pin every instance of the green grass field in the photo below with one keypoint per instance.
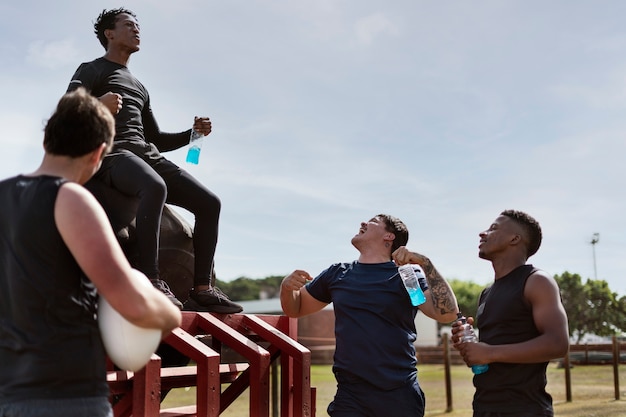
x,y
593,392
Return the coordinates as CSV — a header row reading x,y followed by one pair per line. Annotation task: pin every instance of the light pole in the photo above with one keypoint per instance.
x,y
594,239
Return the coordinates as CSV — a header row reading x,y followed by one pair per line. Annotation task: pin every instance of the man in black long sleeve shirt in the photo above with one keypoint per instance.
x,y
136,167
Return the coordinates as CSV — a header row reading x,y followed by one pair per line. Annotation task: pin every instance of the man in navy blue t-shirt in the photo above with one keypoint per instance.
x,y
374,361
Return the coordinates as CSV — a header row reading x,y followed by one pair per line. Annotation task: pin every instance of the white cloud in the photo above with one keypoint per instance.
x,y
368,28
52,54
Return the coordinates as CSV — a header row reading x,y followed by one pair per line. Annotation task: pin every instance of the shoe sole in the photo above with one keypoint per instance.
x,y
177,303
192,305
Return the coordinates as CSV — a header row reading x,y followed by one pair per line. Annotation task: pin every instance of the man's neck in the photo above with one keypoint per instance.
x,y
502,267
374,258
72,169
117,56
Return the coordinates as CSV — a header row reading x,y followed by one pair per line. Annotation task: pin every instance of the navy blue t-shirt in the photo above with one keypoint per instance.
x,y
374,321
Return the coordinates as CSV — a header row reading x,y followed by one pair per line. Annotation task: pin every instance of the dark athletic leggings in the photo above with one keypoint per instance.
x,y
155,183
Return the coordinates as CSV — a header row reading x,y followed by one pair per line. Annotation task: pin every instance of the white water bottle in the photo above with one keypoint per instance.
x,y
195,145
409,275
468,336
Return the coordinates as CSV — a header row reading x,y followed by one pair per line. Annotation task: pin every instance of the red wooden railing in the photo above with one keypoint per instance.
x,y
258,340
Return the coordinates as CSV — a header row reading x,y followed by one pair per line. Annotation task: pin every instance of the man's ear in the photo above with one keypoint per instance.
x,y
389,236
98,154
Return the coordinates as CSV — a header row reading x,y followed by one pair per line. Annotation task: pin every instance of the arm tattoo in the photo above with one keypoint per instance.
x,y
440,291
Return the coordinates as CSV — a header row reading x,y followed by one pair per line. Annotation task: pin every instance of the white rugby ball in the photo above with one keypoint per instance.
x,y
129,347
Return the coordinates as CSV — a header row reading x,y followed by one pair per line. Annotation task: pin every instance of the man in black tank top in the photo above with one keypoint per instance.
x,y
521,320
57,254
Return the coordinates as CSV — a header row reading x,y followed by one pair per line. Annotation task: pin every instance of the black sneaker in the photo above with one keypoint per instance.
x,y
162,286
211,300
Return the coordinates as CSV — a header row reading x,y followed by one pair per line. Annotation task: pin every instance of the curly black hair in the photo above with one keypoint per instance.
x,y
106,20
530,226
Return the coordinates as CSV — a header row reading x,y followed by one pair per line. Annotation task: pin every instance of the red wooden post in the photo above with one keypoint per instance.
x,y
208,365
147,389
297,369
259,358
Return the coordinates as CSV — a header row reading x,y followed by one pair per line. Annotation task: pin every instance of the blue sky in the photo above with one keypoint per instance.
x,y
326,113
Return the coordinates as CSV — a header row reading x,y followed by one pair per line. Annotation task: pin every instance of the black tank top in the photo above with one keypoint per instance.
x,y
504,316
50,346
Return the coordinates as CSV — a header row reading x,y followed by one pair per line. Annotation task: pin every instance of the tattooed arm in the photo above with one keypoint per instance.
x,y
440,302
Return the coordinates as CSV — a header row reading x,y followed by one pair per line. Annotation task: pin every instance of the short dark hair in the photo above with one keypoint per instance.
x,y
79,125
398,228
106,20
530,226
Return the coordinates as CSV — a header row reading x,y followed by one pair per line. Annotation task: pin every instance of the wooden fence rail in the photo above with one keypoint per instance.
x,y
582,354
606,353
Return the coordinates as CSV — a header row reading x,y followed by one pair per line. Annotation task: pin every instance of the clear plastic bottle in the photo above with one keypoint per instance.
x,y
468,336
409,275
195,145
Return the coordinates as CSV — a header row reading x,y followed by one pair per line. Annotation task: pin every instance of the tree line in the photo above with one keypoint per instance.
x,y
592,308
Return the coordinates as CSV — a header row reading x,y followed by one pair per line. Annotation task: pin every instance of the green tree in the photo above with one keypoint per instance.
x,y
245,289
574,301
270,286
621,313
591,307
467,294
240,289
602,315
